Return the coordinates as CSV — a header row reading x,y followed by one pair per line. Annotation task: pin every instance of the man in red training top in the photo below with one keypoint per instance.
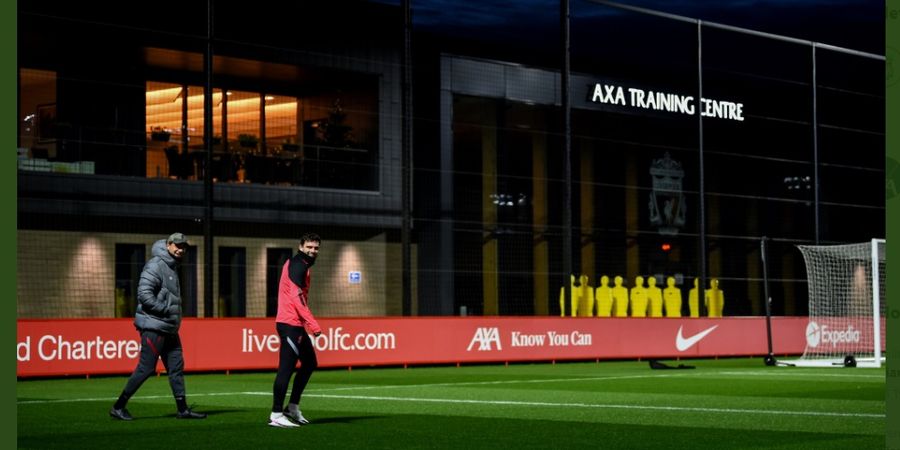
x,y
293,321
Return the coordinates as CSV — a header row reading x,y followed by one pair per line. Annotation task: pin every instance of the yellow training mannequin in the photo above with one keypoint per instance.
x,y
694,299
585,298
576,296
654,296
638,298
620,298
603,298
714,300
672,297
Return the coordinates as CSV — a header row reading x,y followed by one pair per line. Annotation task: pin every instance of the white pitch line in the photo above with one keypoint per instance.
x,y
564,380
600,406
803,374
497,403
467,383
471,383
140,397
487,383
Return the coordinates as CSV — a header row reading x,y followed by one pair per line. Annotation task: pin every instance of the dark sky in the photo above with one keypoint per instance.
x,y
856,24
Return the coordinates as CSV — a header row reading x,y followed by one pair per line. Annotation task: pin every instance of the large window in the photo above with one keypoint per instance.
x,y
37,119
324,137
273,123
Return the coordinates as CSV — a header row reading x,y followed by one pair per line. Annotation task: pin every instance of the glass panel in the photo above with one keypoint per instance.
x,y
281,123
340,135
275,259
130,260
37,110
190,165
242,118
232,282
170,152
280,160
187,273
336,148
163,112
195,117
851,223
218,116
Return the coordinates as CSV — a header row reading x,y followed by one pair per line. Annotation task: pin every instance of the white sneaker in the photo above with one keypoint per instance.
x,y
296,416
281,421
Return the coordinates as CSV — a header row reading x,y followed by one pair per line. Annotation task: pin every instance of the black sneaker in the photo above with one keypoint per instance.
x,y
188,414
121,414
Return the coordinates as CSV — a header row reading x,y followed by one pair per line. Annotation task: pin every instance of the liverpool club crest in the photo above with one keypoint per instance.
x,y
667,206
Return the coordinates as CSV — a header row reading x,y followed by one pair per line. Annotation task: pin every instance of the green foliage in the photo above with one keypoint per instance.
x,y
248,140
333,131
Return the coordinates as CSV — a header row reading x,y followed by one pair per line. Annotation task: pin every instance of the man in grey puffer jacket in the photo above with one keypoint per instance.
x,y
157,319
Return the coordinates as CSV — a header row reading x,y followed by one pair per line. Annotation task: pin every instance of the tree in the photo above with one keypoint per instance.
x,y
333,132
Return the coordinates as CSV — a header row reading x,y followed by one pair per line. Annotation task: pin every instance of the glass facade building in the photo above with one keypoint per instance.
x,y
245,126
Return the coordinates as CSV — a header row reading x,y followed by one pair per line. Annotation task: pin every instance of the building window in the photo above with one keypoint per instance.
x,y
232,282
187,274
327,137
37,118
275,259
130,260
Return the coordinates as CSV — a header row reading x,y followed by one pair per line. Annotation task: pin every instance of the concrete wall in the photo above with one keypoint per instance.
x,y
72,274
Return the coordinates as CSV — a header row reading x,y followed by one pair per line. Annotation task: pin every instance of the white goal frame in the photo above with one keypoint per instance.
x,y
813,358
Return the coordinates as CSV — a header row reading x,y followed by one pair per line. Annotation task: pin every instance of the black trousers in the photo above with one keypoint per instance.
x,y
296,345
156,345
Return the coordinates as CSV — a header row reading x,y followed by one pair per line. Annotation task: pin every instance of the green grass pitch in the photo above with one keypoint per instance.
x,y
728,403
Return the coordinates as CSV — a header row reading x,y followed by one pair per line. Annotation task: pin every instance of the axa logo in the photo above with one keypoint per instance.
x,y
822,334
485,338
683,343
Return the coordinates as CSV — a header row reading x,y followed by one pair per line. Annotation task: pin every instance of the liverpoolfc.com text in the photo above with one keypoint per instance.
x,y
330,339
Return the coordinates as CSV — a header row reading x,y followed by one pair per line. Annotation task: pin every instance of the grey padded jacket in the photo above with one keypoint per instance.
x,y
159,293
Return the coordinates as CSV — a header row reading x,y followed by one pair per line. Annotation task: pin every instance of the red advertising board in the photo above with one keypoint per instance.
x,y
110,346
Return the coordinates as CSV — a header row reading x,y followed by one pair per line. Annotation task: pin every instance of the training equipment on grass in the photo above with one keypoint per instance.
x,y
846,305
656,365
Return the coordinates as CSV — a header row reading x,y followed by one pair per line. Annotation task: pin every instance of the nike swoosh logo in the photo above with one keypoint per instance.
x,y
682,343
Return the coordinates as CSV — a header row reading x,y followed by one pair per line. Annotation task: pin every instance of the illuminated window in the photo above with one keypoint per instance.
x,y
327,138
37,109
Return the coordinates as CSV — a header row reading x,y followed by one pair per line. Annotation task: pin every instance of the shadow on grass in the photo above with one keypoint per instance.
x,y
345,419
209,412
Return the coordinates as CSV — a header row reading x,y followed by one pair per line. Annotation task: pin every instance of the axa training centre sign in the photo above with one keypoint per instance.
x,y
611,94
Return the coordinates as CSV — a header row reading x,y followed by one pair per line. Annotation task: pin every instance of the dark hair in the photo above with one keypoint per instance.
x,y
310,237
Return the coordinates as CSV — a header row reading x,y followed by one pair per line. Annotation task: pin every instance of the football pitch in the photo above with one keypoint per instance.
x,y
728,403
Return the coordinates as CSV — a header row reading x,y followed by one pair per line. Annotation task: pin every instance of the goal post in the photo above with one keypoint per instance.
x,y
846,305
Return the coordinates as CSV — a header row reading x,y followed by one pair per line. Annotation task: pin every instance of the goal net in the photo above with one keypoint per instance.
x,y
846,304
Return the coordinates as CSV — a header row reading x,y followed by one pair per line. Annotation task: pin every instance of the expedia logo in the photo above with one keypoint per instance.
x,y
485,338
816,334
